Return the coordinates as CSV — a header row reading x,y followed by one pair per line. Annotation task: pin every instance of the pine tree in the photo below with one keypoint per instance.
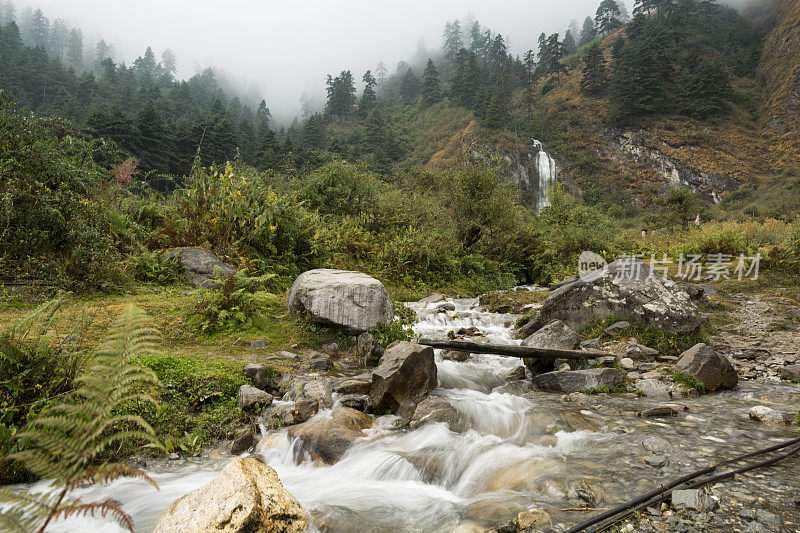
x,y
477,40
529,62
341,94
593,79
431,91
40,29
452,39
409,87
368,97
381,72
703,86
169,64
570,46
101,53
75,48
608,18
588,32
313,132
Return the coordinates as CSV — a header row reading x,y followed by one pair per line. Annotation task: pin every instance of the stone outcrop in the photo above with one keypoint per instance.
x,y
350,300
406,373
435,409
245,497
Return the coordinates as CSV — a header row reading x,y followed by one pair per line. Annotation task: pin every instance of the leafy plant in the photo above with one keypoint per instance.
x,y
68,439
689,382
156,268
235,304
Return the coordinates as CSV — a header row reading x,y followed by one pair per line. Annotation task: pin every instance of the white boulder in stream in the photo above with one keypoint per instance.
x,y
350,300
246,496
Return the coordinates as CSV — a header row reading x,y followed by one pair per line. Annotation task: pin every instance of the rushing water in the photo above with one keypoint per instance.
x,y
521,449
546,166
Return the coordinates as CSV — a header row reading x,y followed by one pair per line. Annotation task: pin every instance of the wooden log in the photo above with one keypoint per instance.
x,y
513,350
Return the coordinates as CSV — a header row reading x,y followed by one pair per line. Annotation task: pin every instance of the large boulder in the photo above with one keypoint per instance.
x,y
350,300
406,373
200,266
625,287
554,334
326,439
246,496
573,380
714,370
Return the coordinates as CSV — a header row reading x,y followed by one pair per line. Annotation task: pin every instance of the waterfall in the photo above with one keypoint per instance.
x,y
548,173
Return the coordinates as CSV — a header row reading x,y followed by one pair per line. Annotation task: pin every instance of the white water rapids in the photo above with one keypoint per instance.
x,y
522,449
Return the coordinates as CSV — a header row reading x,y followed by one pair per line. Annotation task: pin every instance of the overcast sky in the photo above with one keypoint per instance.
x,y
289,46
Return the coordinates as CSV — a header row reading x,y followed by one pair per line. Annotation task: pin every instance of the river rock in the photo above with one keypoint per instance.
x,y
574,380
359,402
200,266
245,497
406,373
327,439
627,363
432,299
624,288
249,396
278,416
320,390
533,520
243,440
356,385
455,355
639,351
554,334
320,361
711,368
657,445
305,408
694,499
653,388
368,349
618,327
791,372
516,373
351,300
262,377
435,409
766,414
660,411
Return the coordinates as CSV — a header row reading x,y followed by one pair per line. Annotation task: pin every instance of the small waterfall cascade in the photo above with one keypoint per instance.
x,y
548,173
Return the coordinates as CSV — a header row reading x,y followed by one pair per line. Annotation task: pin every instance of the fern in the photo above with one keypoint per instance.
x,y
69,439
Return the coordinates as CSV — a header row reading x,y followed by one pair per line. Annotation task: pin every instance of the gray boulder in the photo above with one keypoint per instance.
x,y
714,370
455,355
406,373
200,266
555,334
249,396
574,380
653,388
305,408
694,499
351,300
622,288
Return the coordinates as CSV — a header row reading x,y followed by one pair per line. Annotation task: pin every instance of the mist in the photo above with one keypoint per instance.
x,y
278,50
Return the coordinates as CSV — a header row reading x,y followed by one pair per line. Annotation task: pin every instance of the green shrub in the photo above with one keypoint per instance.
x,y
156,268
235,304
689,382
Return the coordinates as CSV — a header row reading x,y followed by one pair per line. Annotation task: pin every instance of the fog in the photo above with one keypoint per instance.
x,y
279,49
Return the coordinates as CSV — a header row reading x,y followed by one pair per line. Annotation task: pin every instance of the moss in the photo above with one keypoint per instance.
x,y
605,389
689,382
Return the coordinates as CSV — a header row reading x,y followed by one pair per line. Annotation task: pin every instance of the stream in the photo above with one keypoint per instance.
x,y
521,449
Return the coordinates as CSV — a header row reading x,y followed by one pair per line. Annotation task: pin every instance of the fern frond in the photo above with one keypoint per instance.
x,y
68,439
104,508
108,472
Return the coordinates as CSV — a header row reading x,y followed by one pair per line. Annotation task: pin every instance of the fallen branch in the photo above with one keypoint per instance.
x,y
513,350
